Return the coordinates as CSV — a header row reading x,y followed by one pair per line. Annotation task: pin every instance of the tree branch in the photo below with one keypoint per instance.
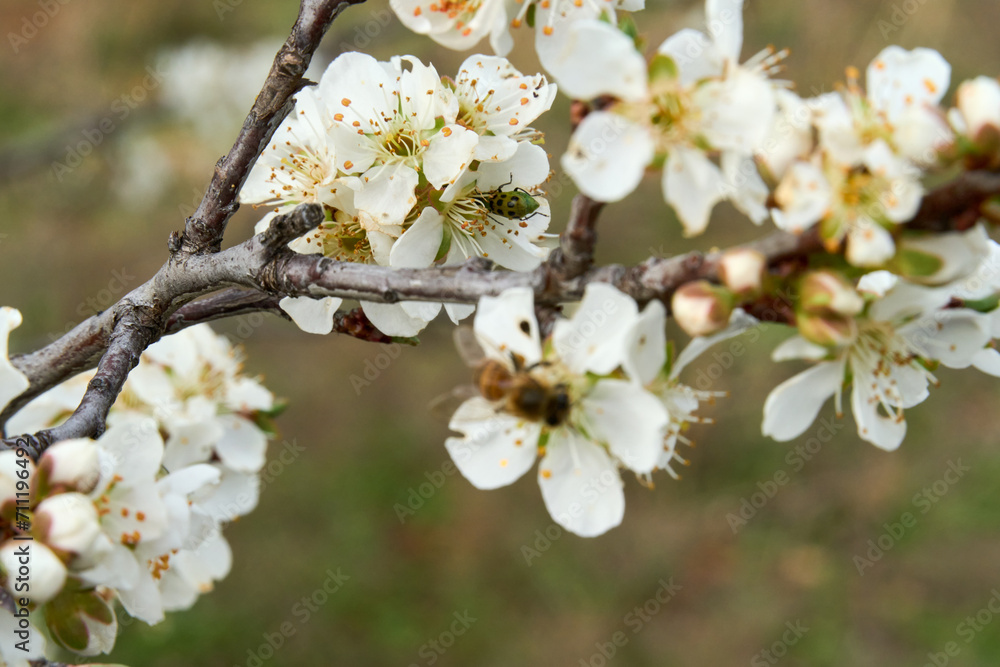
x,y
203,231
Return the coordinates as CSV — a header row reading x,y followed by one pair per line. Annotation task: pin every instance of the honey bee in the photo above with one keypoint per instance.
x,y
518,386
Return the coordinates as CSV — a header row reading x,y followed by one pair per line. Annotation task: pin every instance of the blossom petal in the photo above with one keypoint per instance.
x,y
692,184
392,320
12,381
793,405
506,325
313,316
497,448
899,79
584,72
630,420
419,245
594,339
607,156
884,431
387,196
451,150
646,349
580,485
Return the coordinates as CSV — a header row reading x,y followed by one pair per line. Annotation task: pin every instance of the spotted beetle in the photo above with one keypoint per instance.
x,y
513,204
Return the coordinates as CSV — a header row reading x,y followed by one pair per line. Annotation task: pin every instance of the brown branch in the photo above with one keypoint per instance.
x,y
956,205
576,245
203,231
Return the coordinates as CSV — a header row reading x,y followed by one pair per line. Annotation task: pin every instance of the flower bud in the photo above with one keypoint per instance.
x,y
827,329
827,292
68,522
35,564
742,270
979,102
13,468
70,463
701,308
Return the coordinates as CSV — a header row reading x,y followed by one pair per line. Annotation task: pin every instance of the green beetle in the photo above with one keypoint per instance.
x,y
513,204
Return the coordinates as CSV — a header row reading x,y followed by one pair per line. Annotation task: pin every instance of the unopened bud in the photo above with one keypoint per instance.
x,y
11,471
70,463
742,270
68,522
701,308
824,292
979,102
34,564
827,329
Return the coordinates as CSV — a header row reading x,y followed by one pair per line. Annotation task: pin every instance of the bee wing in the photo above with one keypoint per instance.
x,y
444,406
469,349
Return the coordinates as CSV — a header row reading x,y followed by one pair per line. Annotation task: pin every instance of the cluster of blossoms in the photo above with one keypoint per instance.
x,y
137,515
461,24
601,394
413,169
884,337
890,306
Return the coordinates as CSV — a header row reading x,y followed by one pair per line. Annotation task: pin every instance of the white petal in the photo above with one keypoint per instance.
x,y
953,337
387,195
580,485
595,338
392,320
725,22
630,420
692,184
243,446
584,72
988,361
451,150
12,381
695,55
884,431
458,311
419,245
798,347
869,244
739,322
527,168
646,349
607,156
899,79
494,452
793,405
313,316
506,325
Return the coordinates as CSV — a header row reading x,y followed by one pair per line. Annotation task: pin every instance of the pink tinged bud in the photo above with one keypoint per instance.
x,y
827,330
742,270
32,570
823,292
701,308
71,463
68,522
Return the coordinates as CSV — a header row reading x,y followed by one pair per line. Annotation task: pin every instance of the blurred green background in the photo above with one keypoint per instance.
x,y
72,241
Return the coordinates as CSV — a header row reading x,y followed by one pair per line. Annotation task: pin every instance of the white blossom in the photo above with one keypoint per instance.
x,y
903,330
589,428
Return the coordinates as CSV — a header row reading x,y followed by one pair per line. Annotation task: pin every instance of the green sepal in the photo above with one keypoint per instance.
x,y
914,263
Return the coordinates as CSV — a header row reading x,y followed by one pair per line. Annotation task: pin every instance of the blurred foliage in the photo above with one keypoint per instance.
x,y
332,510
